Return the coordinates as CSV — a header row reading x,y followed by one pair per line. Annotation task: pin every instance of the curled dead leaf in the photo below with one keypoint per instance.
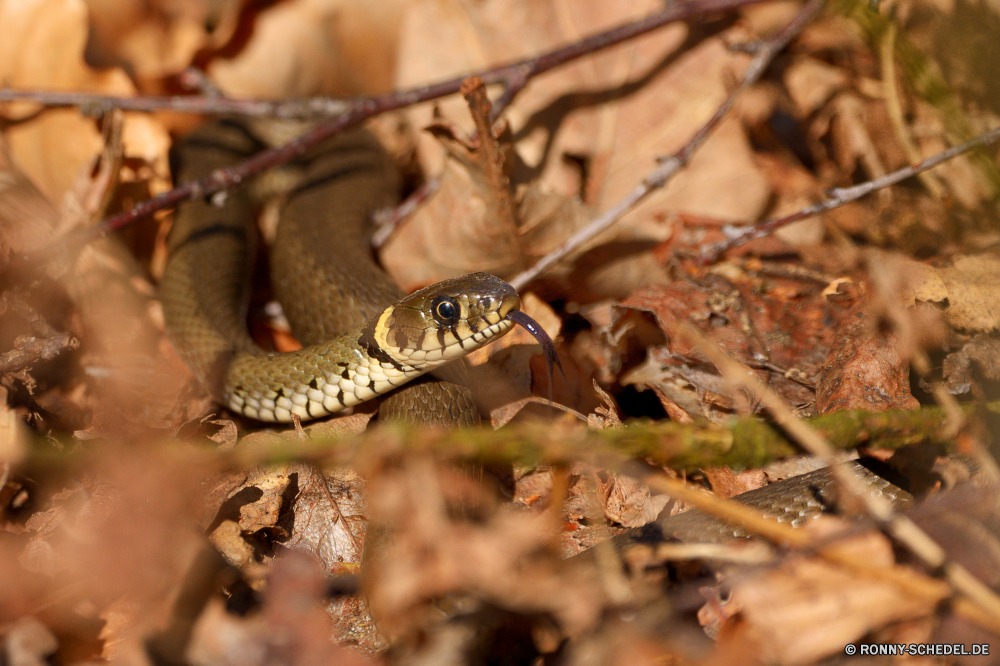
x,y
968,292
808,609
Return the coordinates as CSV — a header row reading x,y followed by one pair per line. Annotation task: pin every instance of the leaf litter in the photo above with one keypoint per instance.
x,y
135,529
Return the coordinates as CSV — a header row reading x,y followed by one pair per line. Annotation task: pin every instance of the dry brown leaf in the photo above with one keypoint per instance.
x,y
809,609
227,434
795,187
14,435
292,626
784,320
501,557
964,180
629,503
851,139
456,231
228,539
503,415
300,507
441,40
722,180
315,47
42,46
26,216
29,643
534,488
330,517
158,38
606,415
265,511
127,529
968,292
727,483
632,130
977,359
864,370
136,377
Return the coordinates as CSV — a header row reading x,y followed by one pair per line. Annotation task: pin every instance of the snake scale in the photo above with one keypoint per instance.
x,y
341,306
358,344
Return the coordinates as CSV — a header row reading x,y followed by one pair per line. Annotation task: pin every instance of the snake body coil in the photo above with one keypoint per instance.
x,y
362,339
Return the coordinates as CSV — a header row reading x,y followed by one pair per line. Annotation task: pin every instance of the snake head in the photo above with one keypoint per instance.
x,y
446,320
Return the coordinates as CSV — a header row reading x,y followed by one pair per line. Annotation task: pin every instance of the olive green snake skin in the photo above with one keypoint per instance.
x,y
338,302
792,501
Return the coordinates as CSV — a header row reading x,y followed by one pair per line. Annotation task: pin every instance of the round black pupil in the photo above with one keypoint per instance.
x,y
446,309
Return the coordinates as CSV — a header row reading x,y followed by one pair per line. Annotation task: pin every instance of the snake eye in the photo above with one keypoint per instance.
x,y
445,310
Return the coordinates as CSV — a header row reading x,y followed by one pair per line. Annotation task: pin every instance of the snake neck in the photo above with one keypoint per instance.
x,y
323,273
314,381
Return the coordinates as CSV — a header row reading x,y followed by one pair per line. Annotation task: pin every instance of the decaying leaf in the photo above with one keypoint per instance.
x,y
977,360
811,83
43,46
775,326
809,609
629,503
156,39
968,292
315,47
864,371
100,531
642,126
298,507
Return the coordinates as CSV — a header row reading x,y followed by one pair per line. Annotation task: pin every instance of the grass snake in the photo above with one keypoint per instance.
x,y
361,338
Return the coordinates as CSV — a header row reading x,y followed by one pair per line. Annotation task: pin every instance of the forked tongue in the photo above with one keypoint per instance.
x,y
548,347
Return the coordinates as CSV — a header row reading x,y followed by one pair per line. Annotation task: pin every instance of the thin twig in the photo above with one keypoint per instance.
x,y
490,156
890,90
670,166
356,112
93,104
924,587
839,196
45,345
29,350
514,76
901,528
195,78
387,220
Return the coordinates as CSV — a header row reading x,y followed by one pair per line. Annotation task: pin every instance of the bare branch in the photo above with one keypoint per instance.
x,y
388,220
45,345
670,166
514,76
491,159
354,113
900,527
93,104
839,196
29,350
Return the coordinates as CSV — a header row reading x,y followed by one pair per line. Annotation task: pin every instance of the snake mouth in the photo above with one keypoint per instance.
x,y
548,347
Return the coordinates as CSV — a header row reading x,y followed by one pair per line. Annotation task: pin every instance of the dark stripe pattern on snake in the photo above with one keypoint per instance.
x,y
341,305
792,501
363,336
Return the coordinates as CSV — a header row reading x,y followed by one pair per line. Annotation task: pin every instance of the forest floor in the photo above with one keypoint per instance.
x,y
724,215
